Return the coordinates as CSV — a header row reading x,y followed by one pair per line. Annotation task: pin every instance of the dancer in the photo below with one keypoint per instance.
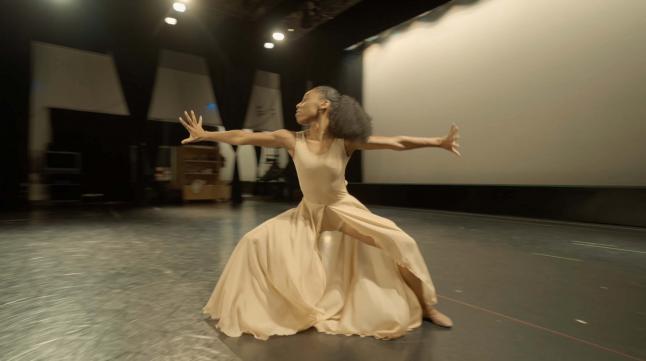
x,y
283,276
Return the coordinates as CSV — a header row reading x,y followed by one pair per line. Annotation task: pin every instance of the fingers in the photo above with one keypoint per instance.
x,y
453,133
190,122
188,118
188,127
192,119
454,136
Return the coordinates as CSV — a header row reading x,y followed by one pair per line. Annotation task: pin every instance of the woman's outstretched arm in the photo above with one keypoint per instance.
x,y
404,142
277,139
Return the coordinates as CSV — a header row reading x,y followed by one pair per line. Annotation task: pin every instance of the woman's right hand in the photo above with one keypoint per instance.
x,y
194,126
450,142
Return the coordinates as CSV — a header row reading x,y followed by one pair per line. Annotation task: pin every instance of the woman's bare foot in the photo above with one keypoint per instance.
x,y
438,317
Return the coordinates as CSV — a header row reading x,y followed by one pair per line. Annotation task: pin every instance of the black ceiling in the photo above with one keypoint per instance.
x,y
300,15
100,24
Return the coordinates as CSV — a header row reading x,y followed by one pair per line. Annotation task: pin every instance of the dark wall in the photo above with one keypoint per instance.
x,y
105,142
14,102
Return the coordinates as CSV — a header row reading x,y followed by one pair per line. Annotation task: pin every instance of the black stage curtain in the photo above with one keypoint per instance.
x,y
232,76
136,63
15,73
292,88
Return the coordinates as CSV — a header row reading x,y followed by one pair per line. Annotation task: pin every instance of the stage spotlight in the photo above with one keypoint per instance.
x,y
179,7
170,21
278,36
269,45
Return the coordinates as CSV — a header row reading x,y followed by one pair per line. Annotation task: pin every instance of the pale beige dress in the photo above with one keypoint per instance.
x,y
296,271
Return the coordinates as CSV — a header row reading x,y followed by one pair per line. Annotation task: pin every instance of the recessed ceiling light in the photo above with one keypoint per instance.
x,y
269,45
179,7
290,29
278,36
170,21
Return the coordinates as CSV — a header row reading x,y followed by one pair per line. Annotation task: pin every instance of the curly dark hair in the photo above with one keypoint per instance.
x,y
348,120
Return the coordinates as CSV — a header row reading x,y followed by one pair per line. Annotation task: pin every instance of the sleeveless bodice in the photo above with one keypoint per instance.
x,y
321,176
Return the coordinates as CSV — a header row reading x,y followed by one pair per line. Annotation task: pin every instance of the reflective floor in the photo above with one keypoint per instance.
x,y
129,284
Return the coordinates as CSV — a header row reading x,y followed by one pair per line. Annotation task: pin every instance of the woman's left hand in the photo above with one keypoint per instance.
x,y
194,126
450,142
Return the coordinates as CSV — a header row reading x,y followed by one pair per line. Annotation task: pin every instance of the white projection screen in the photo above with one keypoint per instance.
x,y
69,78
183,83
544,92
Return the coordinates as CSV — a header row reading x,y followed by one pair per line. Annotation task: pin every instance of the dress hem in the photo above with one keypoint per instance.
x,y
378,336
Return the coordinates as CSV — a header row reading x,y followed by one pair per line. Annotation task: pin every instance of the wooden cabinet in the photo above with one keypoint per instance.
x,y
197,170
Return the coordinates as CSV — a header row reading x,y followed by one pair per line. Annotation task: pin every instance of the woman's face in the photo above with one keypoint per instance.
x,y
308,109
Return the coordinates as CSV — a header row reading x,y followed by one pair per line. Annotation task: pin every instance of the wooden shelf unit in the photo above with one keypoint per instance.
x,y
197,169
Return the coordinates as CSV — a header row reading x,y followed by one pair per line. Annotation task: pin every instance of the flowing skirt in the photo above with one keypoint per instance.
x,y
296,271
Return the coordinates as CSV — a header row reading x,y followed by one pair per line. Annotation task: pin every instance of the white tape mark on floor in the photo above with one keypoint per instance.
x,y
607,247
559,257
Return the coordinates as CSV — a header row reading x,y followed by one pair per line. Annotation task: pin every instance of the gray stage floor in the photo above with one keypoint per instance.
x,y
110,284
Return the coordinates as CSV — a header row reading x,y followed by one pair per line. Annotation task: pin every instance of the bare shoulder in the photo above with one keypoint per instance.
x,y
286,137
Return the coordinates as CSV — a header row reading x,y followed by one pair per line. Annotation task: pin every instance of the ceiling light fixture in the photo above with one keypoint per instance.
x,y
179,6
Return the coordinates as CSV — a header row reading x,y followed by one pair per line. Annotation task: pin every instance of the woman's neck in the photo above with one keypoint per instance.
x,y
318,128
